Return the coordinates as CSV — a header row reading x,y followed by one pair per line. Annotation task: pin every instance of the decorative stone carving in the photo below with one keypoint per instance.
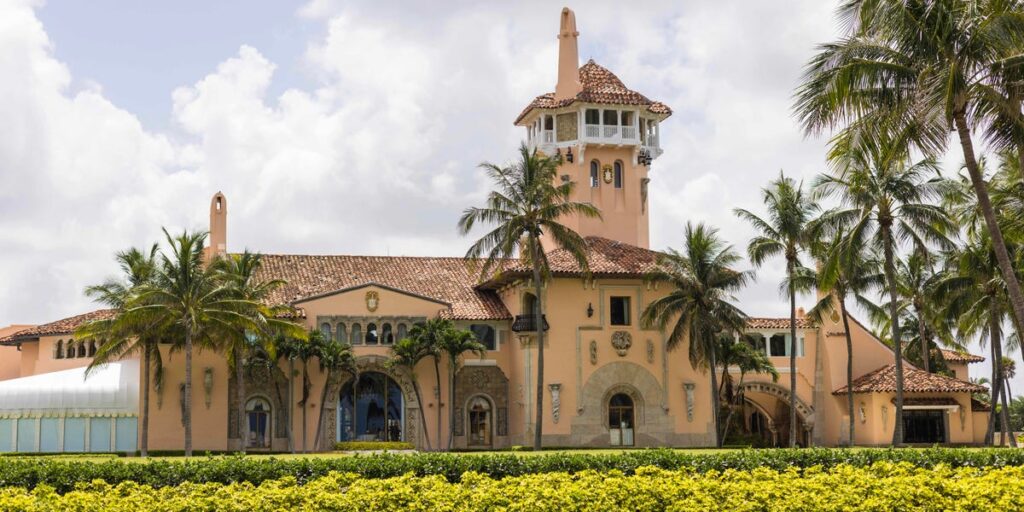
x,y
479,379
502,421
556,402
159,387
688,388
372,300
885,416
458,427
208,386
644,183
593,352
621,341
650,351
181,401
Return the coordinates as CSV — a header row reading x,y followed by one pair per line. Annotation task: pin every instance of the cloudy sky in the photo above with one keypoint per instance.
x,y
356,127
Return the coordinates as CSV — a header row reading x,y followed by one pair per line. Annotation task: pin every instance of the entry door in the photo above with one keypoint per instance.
x,y
925,427
620,420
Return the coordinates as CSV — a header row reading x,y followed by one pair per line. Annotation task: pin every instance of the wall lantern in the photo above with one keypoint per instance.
x,y
590,310
568,155
208,385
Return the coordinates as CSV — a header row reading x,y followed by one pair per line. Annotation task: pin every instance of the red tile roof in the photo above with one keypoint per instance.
x,y
599,86
914,381
608,258
953,356
448,280
777,323
978,405
63,326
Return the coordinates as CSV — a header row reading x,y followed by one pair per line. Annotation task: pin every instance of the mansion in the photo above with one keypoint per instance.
x,y
608,380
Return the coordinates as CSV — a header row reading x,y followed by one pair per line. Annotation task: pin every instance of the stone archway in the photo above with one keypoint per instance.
x,y
654,426
379,364
779,420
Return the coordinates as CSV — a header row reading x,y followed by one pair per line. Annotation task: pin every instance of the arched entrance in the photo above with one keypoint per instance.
x,y
371,409
620,420
481,421
771,401
257,412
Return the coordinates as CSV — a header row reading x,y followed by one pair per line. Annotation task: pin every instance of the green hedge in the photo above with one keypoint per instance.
x,y
351,446
64,474
882,486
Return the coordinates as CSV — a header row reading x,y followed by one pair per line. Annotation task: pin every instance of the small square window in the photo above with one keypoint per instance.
x,y
777,345
620,311
485,335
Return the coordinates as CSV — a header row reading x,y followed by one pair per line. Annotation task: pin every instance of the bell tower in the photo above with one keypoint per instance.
x,y
218,237
607,136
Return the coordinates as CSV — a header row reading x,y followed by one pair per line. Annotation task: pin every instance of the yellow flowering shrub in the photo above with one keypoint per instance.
x,y
882,486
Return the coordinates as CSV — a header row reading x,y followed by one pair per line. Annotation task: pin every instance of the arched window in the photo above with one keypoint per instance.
x,y
69,350
618,174
371,334
341,334
371,409
257,412
81,349
386,336
595,173
479,411
620,420
58,350
402,331
529,304
485,335
92,348
357,334
325,328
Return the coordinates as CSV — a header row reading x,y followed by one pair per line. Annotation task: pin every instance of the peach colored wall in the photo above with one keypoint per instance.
x,y
46,362
10,357
209,424
959,370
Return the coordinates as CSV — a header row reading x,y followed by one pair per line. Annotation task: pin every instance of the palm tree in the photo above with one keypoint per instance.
x,y
190,295
527,204
843,271
742,355
334,356
290,349
885,199
126,333
240,272
456,342
700,306
407,353
787,232
426,336
915,70
304,352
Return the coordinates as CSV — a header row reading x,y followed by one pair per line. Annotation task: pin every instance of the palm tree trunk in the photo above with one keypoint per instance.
x,y
1005,410
437,395
320,416
146,362
792,354
451,400
994,385
849,369
890,278
539,319
922,333
305,401
423,417
291,401
985,204
243,425
712,348
187,412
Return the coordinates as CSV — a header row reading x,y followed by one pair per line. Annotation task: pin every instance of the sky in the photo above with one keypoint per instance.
x,y
356,127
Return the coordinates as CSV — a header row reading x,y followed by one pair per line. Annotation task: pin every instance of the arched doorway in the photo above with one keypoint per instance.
x,y
371,409
620,420
257,413
480,422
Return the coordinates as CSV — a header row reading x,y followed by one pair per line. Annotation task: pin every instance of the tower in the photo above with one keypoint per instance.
x,y
607,135
218,238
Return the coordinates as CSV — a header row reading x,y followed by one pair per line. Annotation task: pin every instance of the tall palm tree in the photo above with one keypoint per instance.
x,y
918,70
303,352
844,270
334,356
190,295
527,203
426,337
700,308
290,349
787,231
407,353
886,200
240,273
127,334
456,342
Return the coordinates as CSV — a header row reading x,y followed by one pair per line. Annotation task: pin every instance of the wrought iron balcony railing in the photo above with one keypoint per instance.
x,y
526,323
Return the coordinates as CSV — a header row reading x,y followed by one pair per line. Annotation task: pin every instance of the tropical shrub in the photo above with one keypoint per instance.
x,y
63,475
882,486
351,446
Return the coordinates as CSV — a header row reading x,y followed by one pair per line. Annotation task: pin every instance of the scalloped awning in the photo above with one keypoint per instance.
x,y
110,390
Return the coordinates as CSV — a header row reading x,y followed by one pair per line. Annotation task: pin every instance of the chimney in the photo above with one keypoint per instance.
x,y
568,58
218,226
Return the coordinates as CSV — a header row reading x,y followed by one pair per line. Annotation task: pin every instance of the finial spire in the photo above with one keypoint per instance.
x,y
568,57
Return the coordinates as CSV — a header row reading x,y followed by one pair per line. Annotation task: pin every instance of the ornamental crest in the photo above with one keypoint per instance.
x,y
372,301
621,341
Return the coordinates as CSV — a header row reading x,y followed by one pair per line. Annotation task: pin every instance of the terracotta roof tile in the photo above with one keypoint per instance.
x,y
448,280
953,356
599,86
63,326
605,257
777,323
914,381
978,405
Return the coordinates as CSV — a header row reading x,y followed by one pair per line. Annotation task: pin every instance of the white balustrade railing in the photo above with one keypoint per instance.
x,y
548,136
628,133
593,131
610,131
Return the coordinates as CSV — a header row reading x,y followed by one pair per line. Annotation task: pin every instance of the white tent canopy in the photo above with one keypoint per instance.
x,y
110,390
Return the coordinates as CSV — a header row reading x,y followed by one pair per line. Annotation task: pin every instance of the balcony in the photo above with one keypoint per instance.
x,y
528,323
610,134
